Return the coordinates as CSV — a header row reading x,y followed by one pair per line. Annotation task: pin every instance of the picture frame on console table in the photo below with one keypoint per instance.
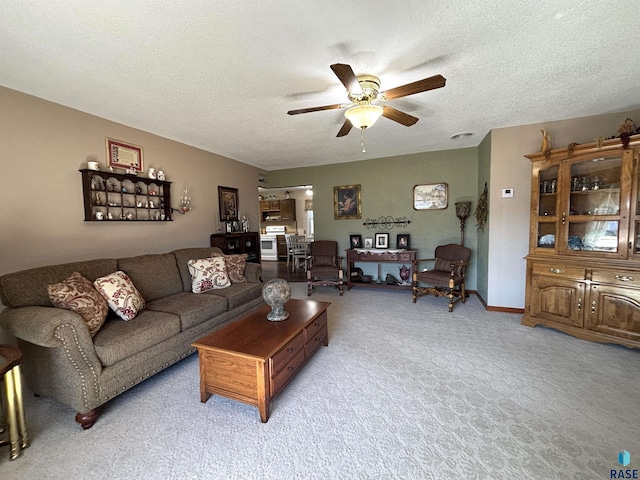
x,y
228,204
368,242
355,241
124,155
382,240
402,240
431,196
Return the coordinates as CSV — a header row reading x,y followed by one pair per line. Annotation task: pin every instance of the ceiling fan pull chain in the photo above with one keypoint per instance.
x,y
362,139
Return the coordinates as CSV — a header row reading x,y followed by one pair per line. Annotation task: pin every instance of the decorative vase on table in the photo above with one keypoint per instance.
x,y
275,293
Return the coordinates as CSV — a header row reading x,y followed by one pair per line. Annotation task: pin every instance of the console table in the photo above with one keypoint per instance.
x,y
379,256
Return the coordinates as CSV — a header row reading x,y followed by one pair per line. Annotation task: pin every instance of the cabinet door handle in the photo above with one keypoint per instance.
x,y
593,307
556,270
623,278
579,304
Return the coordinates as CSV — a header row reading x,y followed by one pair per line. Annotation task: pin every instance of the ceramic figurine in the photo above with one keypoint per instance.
x,y
161,175
152,173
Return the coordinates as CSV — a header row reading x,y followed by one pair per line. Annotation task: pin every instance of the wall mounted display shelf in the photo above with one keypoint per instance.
x,y
583,266
110,197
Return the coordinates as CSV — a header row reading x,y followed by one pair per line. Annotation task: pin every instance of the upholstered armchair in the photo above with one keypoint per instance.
x,y
446,278
324,267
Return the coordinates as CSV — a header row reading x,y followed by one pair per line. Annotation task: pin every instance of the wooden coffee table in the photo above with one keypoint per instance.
x,y
252,359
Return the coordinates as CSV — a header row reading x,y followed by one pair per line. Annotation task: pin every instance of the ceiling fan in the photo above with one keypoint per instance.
x,y
363,90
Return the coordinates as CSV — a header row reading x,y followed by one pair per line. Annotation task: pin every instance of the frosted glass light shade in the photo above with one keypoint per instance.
x,y
363,115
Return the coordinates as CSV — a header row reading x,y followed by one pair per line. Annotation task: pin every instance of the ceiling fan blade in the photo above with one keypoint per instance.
x,y
345,73
431,83
315,109
398,116
346,128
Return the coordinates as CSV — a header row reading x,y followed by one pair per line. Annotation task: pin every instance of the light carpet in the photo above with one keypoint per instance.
x,y
403,390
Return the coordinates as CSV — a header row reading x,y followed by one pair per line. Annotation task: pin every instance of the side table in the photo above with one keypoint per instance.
x,y
10,358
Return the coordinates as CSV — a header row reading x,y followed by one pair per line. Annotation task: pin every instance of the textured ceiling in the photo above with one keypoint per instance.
x,y
221,75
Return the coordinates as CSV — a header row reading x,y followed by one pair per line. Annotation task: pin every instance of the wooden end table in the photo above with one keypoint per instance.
x,y
251,360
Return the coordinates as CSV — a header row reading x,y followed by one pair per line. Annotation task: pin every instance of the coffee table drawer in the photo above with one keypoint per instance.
x,y
318,324
290,369
314,342
284,356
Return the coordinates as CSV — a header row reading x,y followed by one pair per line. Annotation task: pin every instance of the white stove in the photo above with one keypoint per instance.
x,y
269,242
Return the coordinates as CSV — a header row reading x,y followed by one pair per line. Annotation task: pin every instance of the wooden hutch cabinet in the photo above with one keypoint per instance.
x,y
583,266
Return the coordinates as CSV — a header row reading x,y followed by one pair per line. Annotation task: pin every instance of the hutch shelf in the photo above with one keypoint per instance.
x,y
583,266
111,197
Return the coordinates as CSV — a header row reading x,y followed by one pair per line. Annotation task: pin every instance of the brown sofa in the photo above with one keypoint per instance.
x,y
60,358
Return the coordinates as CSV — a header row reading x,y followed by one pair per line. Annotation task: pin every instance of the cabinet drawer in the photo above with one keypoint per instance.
x,y
404,257
284,356
616,277
560,271
315,326
290,368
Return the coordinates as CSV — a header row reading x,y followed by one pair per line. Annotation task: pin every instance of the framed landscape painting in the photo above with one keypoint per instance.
x,y
431,196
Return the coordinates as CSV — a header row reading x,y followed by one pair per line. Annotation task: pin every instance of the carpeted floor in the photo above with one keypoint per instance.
x,y
403,391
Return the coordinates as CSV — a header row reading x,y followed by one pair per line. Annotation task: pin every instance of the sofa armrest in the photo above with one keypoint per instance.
x,y
253,272
39,325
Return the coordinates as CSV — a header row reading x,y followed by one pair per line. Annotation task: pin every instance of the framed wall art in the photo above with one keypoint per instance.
x,y
382,240
347,202
431,196
355,241
228,203
402,240
124,155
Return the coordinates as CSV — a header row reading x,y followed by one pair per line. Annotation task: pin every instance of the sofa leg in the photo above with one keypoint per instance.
x,y
86,420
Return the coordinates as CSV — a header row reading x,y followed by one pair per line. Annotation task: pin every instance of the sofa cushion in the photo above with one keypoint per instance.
x,y
78,294
208,274
183,256
235,265
155,276
238,293
192,309
29,287
121,294
118,340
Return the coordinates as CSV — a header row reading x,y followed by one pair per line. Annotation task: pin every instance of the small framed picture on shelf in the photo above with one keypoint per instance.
x,y
402,240
368,242
355,241
382,240
124,155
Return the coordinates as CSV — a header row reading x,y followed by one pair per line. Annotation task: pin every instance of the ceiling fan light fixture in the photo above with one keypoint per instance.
x,y
364,116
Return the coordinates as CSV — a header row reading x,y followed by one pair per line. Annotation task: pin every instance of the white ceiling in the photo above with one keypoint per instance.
x,y
221,75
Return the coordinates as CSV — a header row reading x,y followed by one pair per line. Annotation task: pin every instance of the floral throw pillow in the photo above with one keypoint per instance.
x,y
208,274
77,294
235,265
121,295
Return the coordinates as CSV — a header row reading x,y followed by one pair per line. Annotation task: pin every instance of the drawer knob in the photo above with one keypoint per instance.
x,y
623,278
291,350
291,369
556,270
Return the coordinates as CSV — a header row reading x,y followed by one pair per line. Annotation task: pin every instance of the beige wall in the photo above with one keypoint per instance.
x,y
509,217
41,210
